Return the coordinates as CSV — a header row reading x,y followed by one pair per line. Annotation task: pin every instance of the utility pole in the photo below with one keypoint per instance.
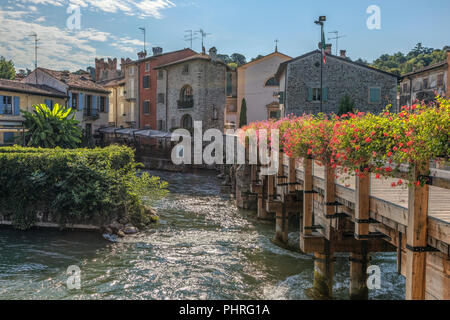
x,y
145,38
337,37
203,35
36,40
320,22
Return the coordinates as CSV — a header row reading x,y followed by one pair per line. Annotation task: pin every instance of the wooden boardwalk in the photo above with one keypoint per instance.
x,y
359,215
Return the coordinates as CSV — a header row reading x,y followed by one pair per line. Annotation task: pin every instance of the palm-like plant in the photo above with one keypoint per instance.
x,y
51,128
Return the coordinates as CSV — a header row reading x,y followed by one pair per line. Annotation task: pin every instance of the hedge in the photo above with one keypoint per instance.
x,y
89,186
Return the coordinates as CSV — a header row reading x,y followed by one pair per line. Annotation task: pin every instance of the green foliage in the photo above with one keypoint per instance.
x,y
346,105
75,186
7,70
417,58
243,115
48,128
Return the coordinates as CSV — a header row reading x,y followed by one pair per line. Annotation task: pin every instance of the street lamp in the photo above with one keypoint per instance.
x,y
320,22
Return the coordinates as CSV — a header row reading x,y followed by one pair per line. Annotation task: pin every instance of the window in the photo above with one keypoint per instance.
x,y
281,97
161,125
131,71
186,69
374,95
102,104
88,109
161,98
147,66
272,82
405,88
425,83
186,122
75,101
315,94
146,82
275,114
440,80
146,107
8,138
186,97
7,105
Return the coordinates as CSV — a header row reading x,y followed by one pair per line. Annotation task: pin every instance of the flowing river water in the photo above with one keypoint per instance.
x,y
203,248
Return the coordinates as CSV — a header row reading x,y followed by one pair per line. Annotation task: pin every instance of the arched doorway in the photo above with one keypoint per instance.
x,y
186,122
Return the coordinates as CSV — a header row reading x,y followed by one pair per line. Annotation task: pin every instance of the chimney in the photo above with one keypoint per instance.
x,y
142,55
157,51
327,47
213,54
343,54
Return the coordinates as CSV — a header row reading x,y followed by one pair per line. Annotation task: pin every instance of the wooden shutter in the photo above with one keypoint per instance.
x,y
80,102
325,94
16,106
310,94
107,104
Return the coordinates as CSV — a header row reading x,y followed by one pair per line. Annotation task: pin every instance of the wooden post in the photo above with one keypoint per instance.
x,y
323,274
270,187
330,190
292,175
362,215
416,236
307,196
359,260
262,213
280,226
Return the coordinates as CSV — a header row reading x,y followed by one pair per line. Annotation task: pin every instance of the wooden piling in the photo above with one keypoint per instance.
x,y
323,274
362,202
359,260
416,237
307,196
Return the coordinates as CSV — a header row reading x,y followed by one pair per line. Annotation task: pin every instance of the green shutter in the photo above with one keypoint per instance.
x,y
310,94
325,94
281,98
375,95
1,104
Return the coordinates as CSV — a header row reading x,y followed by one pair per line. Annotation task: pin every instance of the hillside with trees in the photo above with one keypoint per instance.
x,y
399,63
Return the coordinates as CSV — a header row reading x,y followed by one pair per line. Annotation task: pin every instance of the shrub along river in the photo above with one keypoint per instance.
x,y
203,248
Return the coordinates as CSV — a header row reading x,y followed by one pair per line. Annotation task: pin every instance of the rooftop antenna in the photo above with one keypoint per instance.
x,y
189,36
203,34
337,37
145,44
276,45
36,40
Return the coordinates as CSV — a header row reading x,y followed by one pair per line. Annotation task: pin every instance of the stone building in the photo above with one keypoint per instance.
x,y
259,87
231,103
89,99
300,90
16,96
424,84
141,81
192,89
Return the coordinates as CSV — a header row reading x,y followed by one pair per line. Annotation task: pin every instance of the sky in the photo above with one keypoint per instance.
x,y
110,28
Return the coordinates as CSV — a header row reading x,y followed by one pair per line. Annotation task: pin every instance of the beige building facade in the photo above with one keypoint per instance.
x,y
259,87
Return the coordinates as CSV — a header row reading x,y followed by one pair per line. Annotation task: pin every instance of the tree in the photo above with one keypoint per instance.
x,y
239,59
225,58
258,57
346,105
243,115
52,128
7,70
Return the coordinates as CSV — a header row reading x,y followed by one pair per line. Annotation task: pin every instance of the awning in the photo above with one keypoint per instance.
x,y
155,134
108,129
126,132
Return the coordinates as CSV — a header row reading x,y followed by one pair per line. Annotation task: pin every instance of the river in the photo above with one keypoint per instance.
x,y
203,248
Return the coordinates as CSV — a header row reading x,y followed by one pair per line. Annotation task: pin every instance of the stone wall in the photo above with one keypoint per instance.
x,y
208,81
341,77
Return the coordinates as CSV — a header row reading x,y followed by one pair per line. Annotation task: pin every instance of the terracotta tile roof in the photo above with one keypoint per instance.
x,y
76,81
20,87
154,57
199,56
428,68
112,82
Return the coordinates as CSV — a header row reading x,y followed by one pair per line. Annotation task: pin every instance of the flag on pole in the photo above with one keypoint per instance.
x,y
324,46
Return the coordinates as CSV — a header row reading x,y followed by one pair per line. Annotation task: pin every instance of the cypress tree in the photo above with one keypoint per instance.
x,y
243,115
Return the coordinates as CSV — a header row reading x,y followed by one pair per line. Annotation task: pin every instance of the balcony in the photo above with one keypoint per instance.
x,y
186,104
90,114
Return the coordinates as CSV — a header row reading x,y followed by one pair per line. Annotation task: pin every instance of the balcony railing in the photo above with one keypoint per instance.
x,y
90,114
185,104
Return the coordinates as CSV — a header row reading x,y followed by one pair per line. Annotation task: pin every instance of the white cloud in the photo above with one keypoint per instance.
x,y
141,8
